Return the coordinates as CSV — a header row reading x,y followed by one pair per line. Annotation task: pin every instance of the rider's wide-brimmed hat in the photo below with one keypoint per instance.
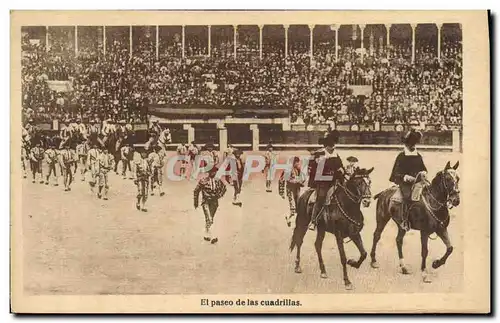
x,y
412,137
352,159
332,138
269,145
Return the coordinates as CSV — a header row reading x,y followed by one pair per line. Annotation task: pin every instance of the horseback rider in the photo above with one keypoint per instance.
x,y
408,165
333,168
164,138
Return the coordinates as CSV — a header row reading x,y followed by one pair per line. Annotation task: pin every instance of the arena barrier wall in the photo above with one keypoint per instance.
x,y
308,140
253,136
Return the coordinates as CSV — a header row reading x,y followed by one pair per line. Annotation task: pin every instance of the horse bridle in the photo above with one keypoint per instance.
x,y
440,204
357,198
446,190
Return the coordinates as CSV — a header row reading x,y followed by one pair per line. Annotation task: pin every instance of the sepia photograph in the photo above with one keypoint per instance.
x,y
250,162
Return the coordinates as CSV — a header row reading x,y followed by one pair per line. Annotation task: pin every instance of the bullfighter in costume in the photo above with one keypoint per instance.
x,y
270,159
292,185
51,160
36,159
157,162
142,173
212,190
106,163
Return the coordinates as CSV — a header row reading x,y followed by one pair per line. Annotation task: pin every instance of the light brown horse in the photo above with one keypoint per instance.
x,y
428,215
342,217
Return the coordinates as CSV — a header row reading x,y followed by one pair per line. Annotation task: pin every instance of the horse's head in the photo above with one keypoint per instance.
x,y
447,180
359,184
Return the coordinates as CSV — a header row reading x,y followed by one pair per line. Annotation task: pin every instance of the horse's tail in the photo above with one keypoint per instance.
x,y
301,221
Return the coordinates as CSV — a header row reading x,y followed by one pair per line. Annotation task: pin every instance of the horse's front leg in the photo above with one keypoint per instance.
x,y
443,234
318,244
358,241
424,238
399,244
343,260
298,270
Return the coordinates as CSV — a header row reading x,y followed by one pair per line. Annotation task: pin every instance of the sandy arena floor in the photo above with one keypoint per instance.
x,y
76,244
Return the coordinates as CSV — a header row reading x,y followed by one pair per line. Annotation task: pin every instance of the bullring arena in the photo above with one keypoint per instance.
x,y
76,244
247,85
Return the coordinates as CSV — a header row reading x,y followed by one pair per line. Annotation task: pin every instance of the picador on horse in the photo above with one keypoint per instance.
x,y
409,173
324,182
417,204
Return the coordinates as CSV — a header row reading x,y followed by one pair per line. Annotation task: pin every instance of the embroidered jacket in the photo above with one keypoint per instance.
x,y
211,189
36,154
106,162
297,179
51,156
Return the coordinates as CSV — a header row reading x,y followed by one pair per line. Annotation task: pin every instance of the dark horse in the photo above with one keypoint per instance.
x,y
114,141
342,217
428,215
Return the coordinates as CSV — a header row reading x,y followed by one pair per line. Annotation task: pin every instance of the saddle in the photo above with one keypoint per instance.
x,y
329,196
415,193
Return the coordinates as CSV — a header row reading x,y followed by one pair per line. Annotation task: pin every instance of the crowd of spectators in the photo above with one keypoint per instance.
x,y
119,86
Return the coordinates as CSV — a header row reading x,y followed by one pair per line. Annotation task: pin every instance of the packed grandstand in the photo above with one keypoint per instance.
x,y
204,66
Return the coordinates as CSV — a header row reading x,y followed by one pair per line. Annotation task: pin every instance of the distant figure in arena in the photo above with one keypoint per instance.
x,y
182,150
25,149
352,165
66,162
127,155
155,127
142,174
93,163
212,190
51,160
106,164
229,151
292,185
270,158
165,139
210,153
36,159
238,179
157,162
82,150
193,151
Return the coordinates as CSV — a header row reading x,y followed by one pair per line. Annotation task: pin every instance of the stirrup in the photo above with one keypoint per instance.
x,y
312,226
405,225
